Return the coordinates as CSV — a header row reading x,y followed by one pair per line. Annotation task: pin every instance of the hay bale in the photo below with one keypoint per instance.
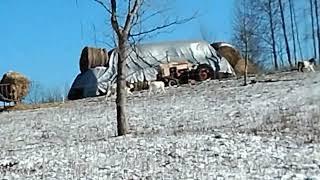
x,y
227,51
231,54
240,67
18,86
92,57
234,58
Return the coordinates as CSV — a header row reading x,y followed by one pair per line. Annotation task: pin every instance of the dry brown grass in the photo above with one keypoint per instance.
x,y
240,67
21,106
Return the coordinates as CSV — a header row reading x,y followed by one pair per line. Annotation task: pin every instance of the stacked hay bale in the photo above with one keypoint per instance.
x,y
18,86
92,57
234,58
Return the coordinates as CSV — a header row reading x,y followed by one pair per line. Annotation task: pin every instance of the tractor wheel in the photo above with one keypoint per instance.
x,y
204,72
173,82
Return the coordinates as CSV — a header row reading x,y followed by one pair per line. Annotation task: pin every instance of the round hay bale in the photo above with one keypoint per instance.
x,y
240,67
92,57
18,86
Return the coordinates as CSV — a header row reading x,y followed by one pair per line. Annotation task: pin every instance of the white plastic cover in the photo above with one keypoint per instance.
x,y
143,61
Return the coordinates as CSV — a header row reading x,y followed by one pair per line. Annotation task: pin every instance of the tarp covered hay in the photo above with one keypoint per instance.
x,y
229,52
18,86
92,57
143,64
234,57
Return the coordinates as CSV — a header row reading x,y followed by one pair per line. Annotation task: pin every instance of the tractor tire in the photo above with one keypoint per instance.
x,y
173,82
204,72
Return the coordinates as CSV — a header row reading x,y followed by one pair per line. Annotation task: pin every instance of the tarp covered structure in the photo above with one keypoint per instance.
x,y
143,62
234,58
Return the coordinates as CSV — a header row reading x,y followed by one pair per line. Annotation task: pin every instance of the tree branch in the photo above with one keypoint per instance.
x,y
157,28
103,5
133,12
114,21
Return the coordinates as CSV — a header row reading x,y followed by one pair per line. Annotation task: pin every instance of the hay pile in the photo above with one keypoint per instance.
x,y
234,57
239,68
92,57
227,51
18,86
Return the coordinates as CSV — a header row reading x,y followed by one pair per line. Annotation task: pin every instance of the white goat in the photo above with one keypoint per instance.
x,y
156,86
113,90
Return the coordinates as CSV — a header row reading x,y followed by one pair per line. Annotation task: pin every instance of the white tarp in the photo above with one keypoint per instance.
x,y
143,61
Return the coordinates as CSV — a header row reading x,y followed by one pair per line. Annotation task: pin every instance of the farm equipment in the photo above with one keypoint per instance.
x,y
176,73
6,93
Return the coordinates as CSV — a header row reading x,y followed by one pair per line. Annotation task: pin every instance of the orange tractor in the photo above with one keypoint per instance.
x,y
181,72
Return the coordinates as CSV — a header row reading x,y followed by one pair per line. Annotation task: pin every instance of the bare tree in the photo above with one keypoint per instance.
x,y
297,29
35,94
318,25
292,31
268,28
272,30
132,15
312,28
39,94
285,32
245,24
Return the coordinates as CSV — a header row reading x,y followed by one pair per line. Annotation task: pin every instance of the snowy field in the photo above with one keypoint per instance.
x,y
213,130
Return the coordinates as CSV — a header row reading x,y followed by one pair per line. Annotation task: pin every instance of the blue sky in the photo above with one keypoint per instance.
x,y
44,39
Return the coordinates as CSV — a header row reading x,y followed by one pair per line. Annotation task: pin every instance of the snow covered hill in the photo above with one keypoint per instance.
x,y
269,129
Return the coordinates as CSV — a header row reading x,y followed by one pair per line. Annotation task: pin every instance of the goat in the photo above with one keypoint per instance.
x,y
113,90
309,65
156,86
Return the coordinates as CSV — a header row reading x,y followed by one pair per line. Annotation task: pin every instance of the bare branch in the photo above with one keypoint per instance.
x,y
131,15
167,25
114,21
103,5
148,17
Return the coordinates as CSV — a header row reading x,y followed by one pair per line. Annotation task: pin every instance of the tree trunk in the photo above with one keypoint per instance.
x,y
122,123
246,64
285,33
292,32
318,26
274,51
312,26
297,31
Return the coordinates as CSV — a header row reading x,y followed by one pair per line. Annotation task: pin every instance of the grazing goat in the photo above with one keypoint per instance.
x,y
309,65
156,86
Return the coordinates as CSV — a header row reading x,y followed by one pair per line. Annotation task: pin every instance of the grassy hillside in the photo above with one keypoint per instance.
x,y
268,129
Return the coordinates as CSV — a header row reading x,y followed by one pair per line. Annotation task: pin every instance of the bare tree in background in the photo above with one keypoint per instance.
x,y
270,13
132,15
39,94
297,29
316,6
285,32
246,23
292,31
267,31
313,28
206,35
